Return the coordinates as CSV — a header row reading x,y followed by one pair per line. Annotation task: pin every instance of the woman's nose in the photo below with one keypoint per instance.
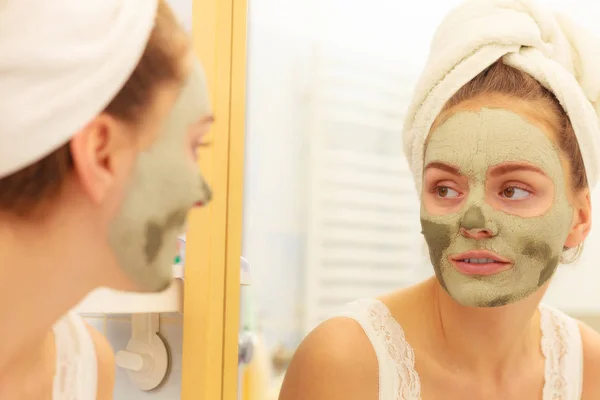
x,y
475,226
477,234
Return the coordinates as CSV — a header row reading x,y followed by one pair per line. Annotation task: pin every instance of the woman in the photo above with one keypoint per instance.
x,y
102,111
502,139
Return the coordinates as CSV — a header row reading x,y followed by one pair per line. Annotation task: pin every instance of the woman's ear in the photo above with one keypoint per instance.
x,y
582,219
103,153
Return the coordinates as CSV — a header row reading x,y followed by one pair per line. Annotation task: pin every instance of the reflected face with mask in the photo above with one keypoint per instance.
x,y
165,183
496,207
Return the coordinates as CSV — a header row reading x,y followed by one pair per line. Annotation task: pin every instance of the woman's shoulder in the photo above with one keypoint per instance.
x,y
354,355
335,361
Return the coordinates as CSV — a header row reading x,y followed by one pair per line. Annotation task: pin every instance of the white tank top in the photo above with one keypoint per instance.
x,y
76,376
398,379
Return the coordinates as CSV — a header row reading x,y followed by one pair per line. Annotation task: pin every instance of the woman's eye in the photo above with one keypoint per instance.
x,y
514,193
446,192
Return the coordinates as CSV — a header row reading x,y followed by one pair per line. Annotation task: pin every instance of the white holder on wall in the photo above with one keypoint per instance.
x,y
146,357
109,301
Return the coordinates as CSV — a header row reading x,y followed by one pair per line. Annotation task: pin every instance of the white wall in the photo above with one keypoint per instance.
x,y
275,178
183,10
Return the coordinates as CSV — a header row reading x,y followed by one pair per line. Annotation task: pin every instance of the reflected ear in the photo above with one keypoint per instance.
x,y
102,152
582,219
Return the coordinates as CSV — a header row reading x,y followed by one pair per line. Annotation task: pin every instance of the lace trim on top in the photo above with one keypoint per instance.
x,y
554,347
403,355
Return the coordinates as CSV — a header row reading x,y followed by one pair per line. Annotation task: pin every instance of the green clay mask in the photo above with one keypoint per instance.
x,y
474,141
164,186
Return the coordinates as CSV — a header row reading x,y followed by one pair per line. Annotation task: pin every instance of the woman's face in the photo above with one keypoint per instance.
x,y
152,126
164,184
495,206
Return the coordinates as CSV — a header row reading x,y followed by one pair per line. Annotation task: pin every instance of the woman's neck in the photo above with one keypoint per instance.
x,y
40,279
489,340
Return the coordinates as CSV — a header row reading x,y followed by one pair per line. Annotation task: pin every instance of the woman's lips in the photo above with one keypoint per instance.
x,y
480,262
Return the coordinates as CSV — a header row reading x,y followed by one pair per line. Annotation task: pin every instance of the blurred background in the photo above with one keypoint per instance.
x,y
330,210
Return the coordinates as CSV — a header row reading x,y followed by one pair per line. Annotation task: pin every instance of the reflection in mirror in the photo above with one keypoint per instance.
x,y
330,210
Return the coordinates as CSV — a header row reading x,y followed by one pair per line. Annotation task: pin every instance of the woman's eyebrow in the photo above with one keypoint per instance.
x,y
444,167
513,167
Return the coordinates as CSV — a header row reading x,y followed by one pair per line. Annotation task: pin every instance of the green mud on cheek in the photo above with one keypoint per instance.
x,y
543,252
438,240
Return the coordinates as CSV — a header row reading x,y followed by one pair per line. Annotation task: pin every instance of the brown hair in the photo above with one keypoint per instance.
x,y
22,192
502,79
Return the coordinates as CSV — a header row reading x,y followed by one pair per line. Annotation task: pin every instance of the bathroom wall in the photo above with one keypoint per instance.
x,y
183,11
275,184
284,39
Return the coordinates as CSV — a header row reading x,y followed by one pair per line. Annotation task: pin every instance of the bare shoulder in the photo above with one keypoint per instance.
x,y
591,362
106,364
335,361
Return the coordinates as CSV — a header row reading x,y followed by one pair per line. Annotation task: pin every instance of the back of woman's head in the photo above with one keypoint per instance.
x,y
26,191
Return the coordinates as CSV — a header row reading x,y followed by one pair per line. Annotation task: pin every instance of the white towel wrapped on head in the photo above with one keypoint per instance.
x,y
562,56
61,63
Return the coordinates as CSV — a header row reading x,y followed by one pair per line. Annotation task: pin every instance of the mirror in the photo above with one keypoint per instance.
x,y
330,210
